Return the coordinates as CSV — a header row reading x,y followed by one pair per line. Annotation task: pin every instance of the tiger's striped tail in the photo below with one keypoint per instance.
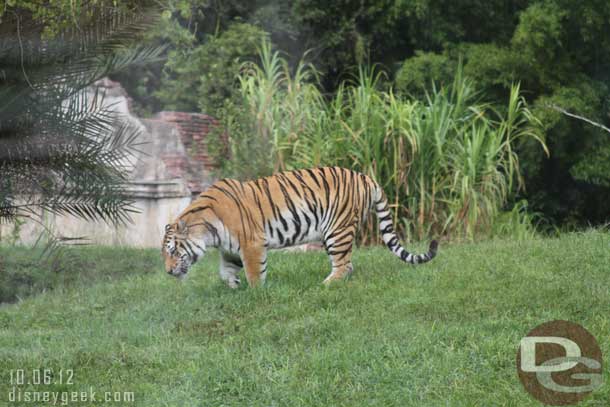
x,y
389,235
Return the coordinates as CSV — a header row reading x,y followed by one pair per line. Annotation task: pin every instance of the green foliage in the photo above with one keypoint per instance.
x,y
495,68
539,37
422,71
559,53
448,164
594,168
442,334
278,106
392,30
207,41
203,76
58,16
518,224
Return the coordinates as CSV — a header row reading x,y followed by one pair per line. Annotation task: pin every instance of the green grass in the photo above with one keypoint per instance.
x,y
25,271
441,334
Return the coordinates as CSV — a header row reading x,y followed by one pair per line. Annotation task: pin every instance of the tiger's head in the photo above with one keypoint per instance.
x,y
179,251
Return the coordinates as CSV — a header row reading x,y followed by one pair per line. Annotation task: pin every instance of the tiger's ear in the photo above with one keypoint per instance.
x,y
168,227
182,226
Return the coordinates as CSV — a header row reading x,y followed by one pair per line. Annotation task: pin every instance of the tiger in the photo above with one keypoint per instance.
x,y
246,219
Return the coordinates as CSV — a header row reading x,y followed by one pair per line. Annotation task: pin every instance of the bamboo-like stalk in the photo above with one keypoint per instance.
x,y
446,163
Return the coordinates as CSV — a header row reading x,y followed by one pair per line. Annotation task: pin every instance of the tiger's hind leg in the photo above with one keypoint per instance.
x,y
230,265
339,246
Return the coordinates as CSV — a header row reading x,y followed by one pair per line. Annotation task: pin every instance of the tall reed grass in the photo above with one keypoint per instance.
x,y
447,163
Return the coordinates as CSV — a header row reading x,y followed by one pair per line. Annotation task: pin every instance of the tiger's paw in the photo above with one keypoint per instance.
x,y
332,278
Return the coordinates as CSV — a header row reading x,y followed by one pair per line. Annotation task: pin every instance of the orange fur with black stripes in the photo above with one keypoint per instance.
x,y
245,219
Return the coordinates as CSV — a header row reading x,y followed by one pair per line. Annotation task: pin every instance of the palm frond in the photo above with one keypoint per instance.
x,y
63,148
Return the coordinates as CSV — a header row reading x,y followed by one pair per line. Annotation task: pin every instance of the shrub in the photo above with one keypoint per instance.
x,y
447,163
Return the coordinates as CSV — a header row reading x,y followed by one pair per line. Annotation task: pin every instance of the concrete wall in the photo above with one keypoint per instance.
x,y
145,231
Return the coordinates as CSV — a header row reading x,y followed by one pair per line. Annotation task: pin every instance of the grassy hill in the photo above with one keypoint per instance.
x,y
441,334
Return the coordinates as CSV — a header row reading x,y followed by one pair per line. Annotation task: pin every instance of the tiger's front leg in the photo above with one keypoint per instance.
x,y
230,264
254,258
